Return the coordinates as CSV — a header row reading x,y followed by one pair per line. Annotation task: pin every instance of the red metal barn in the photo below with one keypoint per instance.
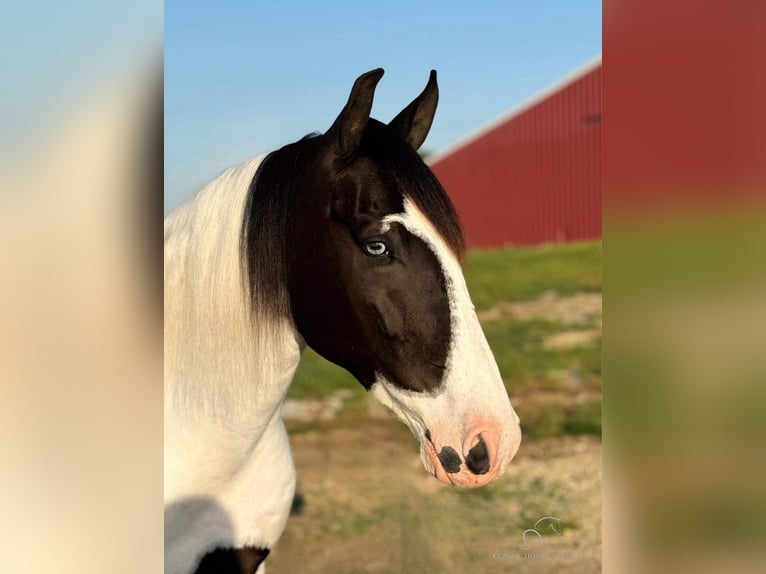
x,y
534,175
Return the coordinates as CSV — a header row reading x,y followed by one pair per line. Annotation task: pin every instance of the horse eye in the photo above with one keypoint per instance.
x,y
376,248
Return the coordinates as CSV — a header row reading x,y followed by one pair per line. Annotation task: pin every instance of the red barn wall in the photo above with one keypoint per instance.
x,y
536,176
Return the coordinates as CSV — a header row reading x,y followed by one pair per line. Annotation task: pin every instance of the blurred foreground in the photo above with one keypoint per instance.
x,y
684,188
80,334
685,387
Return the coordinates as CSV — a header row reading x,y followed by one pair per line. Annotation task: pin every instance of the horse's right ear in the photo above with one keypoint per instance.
x,y
346,132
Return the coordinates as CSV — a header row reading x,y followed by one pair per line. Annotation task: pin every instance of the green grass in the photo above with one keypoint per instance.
x,y
552,420
495,275
527,366
318,378
503,275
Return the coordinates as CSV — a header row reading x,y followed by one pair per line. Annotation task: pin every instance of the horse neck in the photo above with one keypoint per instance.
x,y
218,360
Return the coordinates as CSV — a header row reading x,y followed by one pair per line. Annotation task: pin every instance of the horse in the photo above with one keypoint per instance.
x,y
346,242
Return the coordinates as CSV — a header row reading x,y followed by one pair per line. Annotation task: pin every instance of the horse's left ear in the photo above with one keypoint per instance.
x,y
414,121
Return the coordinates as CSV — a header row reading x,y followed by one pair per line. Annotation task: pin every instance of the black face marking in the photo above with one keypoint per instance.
x,y
232,560
428,435
477,460
450,460
312,241
370,315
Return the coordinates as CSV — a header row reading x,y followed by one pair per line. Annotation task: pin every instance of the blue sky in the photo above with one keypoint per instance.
x,y
244,78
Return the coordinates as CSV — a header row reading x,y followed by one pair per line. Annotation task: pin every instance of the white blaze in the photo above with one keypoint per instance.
x,y
472,391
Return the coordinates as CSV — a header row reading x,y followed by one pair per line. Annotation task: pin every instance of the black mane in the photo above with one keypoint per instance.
x,y
263,243
280,179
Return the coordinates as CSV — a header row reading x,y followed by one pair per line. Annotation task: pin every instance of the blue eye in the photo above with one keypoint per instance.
x,y
376,248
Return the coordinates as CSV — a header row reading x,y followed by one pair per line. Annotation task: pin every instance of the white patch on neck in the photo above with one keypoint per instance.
x,y
225,380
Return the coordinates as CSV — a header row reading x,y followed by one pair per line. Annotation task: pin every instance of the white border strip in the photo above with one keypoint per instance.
x,y
516,111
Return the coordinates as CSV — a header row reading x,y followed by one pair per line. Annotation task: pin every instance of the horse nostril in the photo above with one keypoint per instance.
x,y
450,459
477,460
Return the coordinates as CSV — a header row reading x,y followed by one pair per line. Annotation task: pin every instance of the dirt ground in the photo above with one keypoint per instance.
x,y
365,504
575,308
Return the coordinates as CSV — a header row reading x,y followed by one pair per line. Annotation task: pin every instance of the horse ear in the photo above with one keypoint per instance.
x,y
346,131
414,121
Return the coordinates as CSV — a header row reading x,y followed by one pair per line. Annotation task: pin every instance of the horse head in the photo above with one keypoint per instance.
x,y
353,238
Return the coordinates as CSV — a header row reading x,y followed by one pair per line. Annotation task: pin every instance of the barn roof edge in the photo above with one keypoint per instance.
x,y
517,110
